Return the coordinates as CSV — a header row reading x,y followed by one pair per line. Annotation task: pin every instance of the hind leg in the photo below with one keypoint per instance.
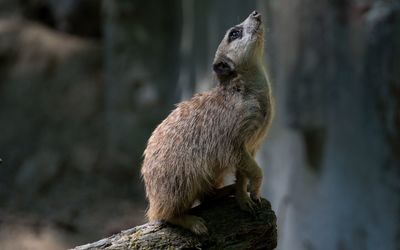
x,y
193,223
219,182
215,192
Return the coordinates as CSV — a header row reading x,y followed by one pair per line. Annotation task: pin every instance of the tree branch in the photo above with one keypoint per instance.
x,y
229,228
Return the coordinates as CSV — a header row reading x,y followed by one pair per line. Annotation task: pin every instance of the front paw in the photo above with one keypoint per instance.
x,y
246,204
255,197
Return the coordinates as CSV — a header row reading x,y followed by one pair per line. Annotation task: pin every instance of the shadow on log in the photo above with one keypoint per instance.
x,y
229,228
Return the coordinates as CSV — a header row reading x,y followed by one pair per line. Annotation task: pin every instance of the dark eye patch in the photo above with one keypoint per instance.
x,y
235,33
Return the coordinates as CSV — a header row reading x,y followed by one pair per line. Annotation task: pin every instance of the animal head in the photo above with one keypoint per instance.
x,y
241,48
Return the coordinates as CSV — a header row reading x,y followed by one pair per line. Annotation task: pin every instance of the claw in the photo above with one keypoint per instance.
x,y
198,226
256,198
246,204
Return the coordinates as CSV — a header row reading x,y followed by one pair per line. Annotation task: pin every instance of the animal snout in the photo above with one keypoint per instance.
x,y
256,15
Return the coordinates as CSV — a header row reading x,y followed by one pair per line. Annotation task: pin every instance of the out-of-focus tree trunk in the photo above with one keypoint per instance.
x,y
331,162
141,65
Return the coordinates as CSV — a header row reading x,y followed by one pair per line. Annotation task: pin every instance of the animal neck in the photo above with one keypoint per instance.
x,y
255,76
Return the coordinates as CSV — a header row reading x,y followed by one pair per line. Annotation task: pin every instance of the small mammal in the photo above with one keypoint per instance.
x,y
216,132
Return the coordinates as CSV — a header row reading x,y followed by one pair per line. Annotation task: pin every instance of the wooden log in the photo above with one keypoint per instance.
x,y
229,228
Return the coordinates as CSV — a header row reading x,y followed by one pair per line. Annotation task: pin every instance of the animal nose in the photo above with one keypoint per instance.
x,y
255,15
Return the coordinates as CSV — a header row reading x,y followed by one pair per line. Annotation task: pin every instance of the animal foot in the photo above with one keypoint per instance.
x,y
197,225
246,204
255,197
190,222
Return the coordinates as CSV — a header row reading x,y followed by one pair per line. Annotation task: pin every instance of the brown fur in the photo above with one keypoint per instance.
x,y
215,132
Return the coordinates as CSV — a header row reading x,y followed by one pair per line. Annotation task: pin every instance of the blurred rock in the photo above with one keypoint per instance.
x,y
18,237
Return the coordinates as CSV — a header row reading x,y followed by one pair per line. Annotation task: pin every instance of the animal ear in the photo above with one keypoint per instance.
x,y
224,70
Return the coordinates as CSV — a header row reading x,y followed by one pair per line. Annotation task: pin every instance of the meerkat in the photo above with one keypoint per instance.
x,y
214,133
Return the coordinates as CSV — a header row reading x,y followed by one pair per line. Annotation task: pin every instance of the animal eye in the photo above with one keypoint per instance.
x,y
234,34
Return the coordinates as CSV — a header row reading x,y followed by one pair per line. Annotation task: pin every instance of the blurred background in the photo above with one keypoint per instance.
x,y
84,82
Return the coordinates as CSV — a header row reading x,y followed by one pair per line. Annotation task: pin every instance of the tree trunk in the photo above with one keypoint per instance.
x,y
229,228
333,152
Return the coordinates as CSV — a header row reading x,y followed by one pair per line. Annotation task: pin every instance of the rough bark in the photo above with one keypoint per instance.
x,y
229,228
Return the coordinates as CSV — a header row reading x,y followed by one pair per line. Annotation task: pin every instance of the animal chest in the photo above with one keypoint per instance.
x,y
258,120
